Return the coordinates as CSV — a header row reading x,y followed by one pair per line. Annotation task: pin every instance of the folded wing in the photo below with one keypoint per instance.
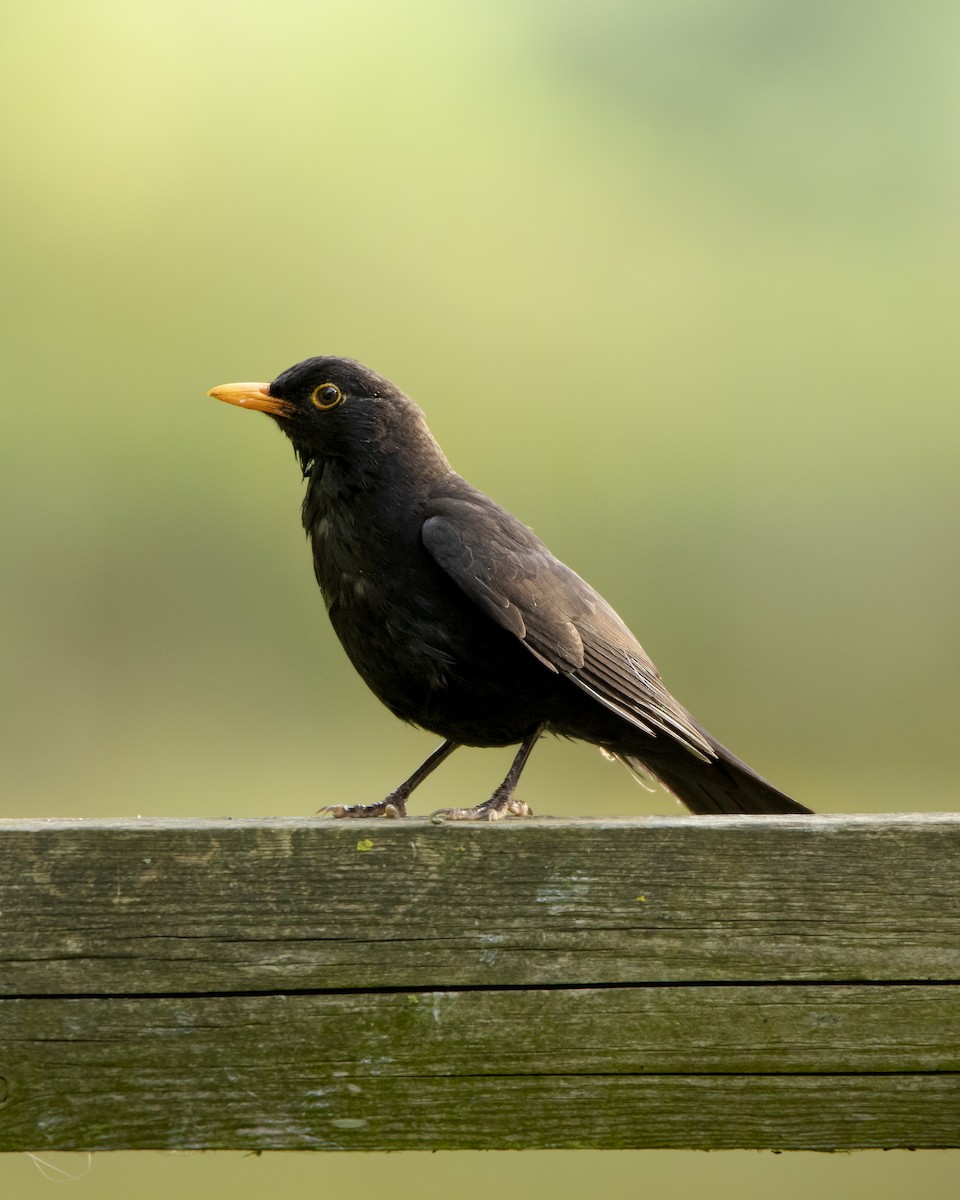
x,y
508,572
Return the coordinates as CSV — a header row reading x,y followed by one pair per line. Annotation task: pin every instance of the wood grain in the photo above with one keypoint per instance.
x,y
698,982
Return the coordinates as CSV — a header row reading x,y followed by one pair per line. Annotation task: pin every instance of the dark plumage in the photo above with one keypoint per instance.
x,y
459,618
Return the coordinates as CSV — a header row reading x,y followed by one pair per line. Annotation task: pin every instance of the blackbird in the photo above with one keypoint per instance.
x,y
459,618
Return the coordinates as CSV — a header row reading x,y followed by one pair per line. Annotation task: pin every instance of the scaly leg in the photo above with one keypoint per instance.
x,y
395,804
502,803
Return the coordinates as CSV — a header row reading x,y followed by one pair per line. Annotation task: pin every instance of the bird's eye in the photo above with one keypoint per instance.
x,y
327,395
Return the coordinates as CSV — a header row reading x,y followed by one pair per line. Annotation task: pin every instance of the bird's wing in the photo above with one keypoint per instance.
x,y
508,572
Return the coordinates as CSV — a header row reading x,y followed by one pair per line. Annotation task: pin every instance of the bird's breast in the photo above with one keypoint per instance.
x,y
380,588
342,568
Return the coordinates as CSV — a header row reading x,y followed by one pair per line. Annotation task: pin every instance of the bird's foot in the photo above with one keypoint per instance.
x,y
494,809
393,807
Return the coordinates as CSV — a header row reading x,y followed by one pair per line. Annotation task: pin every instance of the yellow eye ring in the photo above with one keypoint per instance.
x,y
325,396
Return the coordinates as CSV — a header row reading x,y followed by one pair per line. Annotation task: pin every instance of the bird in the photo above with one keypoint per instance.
x,y
458,617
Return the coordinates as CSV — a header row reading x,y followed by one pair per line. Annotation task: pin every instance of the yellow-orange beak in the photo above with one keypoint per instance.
x,y
252,395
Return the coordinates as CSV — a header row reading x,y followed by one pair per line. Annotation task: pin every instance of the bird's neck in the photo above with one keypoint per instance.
x,y
380,484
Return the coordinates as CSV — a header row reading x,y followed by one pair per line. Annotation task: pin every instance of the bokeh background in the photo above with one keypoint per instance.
x,y
675,280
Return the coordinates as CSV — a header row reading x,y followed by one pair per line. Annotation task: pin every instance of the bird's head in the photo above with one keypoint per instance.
x,y
330,408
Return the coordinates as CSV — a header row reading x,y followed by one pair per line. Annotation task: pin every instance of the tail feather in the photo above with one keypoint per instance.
x,y
723,784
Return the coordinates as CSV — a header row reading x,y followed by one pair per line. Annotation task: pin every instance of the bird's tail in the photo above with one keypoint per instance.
x,y
723,784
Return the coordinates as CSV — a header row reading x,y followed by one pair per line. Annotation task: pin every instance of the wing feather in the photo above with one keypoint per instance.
x,y
508,572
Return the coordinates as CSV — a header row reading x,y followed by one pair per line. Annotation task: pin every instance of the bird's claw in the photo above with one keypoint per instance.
x,y
494,809
390,808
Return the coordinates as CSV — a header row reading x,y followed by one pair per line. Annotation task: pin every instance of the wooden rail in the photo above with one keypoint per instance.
x,y
791,983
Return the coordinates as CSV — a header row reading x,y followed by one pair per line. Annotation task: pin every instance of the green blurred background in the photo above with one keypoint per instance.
x,y
677,282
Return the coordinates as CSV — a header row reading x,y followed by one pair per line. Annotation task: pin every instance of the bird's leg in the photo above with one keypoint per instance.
x,y
395,805
502,803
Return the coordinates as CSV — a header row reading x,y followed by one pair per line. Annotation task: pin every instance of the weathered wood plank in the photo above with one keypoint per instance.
x,y
789,983
180,906
742,1029
817,1067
